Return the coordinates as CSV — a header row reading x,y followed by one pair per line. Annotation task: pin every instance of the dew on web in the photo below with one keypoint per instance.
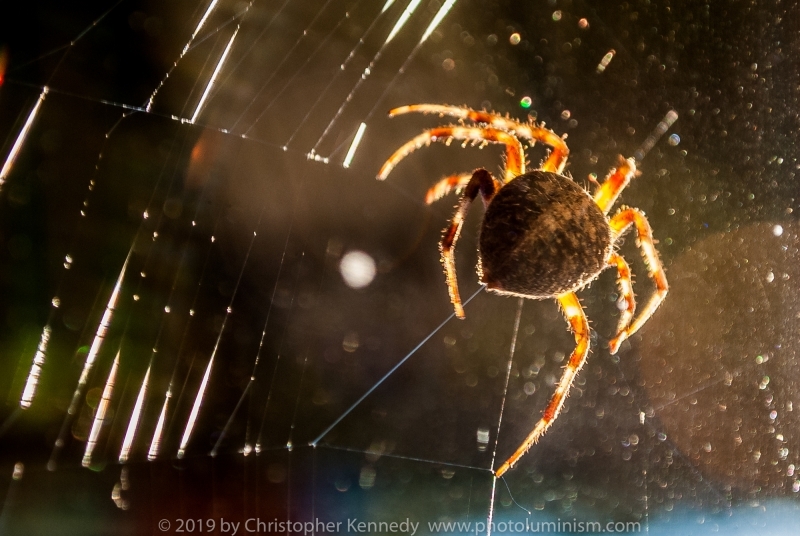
x,y
204,321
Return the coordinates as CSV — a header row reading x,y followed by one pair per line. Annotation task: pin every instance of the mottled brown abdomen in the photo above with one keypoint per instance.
x,y
542,235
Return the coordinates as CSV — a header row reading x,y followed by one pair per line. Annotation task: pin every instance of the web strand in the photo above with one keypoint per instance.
x,y
391,371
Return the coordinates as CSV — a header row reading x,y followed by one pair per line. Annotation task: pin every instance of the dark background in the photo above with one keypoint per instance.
x,y
691,428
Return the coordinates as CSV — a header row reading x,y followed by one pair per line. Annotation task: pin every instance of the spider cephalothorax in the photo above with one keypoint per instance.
x,y
542,235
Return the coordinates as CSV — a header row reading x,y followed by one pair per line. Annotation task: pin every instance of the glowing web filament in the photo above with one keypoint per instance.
x,y
100,416
133,424
352,151
36,370
183,53
214,75
12,155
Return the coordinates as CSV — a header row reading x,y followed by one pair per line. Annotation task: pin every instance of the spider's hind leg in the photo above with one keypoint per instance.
x,y
481,181
627,302
580,327
620,223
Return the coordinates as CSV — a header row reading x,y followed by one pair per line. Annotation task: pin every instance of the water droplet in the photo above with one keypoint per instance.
x,y
514,39
357,269
557,15
674,140
526,102
777,230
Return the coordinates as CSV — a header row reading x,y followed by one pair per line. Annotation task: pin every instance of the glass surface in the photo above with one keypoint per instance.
x,y
299,385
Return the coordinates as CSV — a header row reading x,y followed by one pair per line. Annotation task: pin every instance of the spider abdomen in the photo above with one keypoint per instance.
x,y
542,235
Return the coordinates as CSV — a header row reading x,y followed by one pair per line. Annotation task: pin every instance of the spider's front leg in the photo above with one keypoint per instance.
x,y
580,327
608,192
482,182
448,184
619,225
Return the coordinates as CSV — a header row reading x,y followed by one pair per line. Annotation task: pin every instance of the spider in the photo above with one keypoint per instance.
x,y
542,235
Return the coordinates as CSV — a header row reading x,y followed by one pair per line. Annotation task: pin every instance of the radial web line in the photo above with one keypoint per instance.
x,y
511,351
247,447
158,433
401,21
100,415
203,19
260,344
91,356
276,69
341,70
290,443
278,357
303,66
136,412
400,457
187,433
67,46
392,370
437,19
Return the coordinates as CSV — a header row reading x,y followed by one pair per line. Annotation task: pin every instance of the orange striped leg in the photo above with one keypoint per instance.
x,y
607,193
515,156
620,223
555,162
580,327
447,185
482,182
627,302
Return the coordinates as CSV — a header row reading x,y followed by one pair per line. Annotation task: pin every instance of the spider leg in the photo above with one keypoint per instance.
x,y
626,293
618,178
555,162
482,182
515,156
620,223
447,185
580,327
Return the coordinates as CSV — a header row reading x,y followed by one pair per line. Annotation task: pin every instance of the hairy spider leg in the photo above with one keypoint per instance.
x,y
555,161
515,156
607,193
574,314
620,223
625,290
482,182
447,185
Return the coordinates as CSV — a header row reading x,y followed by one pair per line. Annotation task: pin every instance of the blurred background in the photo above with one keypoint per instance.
x,y
200,277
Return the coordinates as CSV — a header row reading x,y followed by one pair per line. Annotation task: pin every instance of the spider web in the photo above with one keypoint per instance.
x,y
176,211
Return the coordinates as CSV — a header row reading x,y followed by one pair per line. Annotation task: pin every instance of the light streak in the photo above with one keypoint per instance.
x,y
200,25
155,444
100,415
187,433
660,130
412,6
133,424
437,19
356,140
12,155
312,154
335,77
214,75
36,369
386,6
605,61
99,337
